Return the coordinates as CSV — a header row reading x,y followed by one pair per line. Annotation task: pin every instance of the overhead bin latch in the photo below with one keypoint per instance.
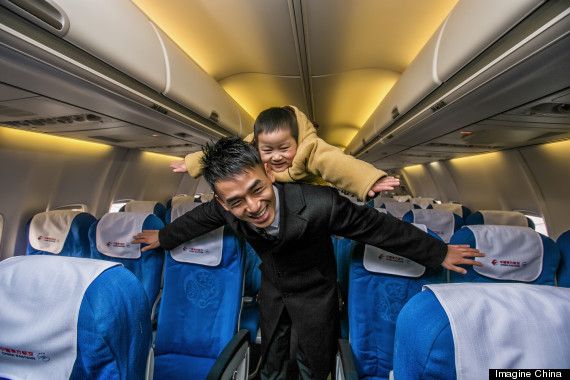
x,y
395,113
214,117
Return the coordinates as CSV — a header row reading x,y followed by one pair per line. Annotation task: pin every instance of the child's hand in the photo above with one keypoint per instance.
x,y
383,184
178,166
457,255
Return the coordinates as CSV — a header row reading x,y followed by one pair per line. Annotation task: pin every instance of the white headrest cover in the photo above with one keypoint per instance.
x,y
402,198
398,209
179,198
507,218
422,202
377,260
182,206
382,210
512,253
422,227
141,206
379,201
453,207
439,221
48,230
115,232
506,326
40,297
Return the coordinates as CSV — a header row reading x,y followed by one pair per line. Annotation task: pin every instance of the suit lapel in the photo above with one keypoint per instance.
x,y
292,224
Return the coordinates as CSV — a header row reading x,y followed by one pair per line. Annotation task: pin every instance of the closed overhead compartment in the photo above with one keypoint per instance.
x,y
246,122
118,33
472,26
189,85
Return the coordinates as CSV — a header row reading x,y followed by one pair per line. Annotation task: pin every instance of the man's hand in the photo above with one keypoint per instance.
x,y
383,184
149,237
458,255
178,166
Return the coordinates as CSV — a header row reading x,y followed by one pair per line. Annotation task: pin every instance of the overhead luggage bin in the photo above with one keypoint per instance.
x,y
188,84
109,28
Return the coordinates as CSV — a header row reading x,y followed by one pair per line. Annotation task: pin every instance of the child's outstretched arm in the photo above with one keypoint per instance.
x,y
342,170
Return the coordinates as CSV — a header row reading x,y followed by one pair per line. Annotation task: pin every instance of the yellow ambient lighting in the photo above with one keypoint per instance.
x,y
557,148
40,142
413,167
159,157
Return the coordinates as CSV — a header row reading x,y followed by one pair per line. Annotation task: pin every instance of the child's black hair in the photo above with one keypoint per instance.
x,y
275,119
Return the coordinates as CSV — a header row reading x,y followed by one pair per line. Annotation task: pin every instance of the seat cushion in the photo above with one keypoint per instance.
x,y
174,366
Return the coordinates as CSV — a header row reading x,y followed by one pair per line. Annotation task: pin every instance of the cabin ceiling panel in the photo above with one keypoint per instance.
x,y
343,102
227,37
256,92
388,34
13,93
35,108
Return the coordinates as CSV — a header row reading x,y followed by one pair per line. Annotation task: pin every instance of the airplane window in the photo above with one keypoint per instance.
x,y
540,225
118,205
73,207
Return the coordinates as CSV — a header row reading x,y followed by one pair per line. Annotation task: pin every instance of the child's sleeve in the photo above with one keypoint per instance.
x,y
193,161
341,170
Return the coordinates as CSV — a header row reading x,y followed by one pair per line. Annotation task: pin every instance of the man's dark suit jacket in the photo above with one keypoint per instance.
x,y
299,270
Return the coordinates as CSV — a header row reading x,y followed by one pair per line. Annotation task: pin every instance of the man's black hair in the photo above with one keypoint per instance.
x,y
228,157
275,119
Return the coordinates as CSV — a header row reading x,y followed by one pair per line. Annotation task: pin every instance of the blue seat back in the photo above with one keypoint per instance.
x,y
374,302
564,267
499,217
147,266
147,207
433,220
398,209
457,208
59,232
252,284
505,258
94,309
200,304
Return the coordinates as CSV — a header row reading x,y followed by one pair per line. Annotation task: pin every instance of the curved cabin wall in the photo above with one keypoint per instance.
x,y
535,178
40,171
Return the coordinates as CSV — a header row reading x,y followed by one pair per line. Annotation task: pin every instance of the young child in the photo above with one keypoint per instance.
x,y
287,142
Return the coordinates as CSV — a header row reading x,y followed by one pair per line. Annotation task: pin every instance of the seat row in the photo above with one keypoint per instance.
x,y
395,326
197,333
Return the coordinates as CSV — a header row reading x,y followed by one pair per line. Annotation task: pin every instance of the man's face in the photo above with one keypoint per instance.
x,y
249,196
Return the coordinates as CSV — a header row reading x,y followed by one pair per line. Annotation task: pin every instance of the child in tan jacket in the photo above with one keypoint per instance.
x,y
287,142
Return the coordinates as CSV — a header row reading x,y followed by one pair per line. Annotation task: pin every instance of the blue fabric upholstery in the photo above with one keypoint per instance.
x,y
550,263
477,218
76,243
250,312
147,268
114,330
199,312
374,303
423,341
564,268
342,248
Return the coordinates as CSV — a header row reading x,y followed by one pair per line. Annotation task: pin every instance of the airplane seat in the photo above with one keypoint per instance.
x,y
457,208
342,248
149,207
111,237
421,202
197,334
499,217
444,223
563,274
252,284
398,209
72,318
59,232
402,198
486,325
380,284
512,254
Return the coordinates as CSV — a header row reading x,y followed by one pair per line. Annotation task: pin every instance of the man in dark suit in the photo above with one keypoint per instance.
x,y
289,226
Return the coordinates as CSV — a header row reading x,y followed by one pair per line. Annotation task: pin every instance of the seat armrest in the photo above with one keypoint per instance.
x,y
346,365
238,346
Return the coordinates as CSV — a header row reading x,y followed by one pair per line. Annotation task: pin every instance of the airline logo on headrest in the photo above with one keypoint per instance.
x,y
508,263
47,239
41,356
201,251
393,259
117,244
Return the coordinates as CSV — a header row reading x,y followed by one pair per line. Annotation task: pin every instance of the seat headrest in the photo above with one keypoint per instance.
x,y
41,298
141,206
508,218
398,209
382,210
512,253
48,230
203,250
402,198
441,222
115,232
453,207
182,206
422,202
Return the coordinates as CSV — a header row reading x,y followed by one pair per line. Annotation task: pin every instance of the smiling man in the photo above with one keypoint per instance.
x,y
289,226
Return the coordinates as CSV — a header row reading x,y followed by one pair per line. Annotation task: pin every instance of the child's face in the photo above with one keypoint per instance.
x,y
277,149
